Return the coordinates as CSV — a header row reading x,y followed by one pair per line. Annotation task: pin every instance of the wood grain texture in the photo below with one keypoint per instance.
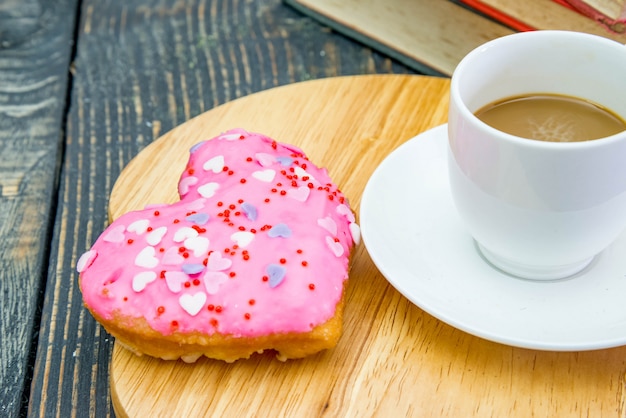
x,y
143,67
393,359
438,34
35,50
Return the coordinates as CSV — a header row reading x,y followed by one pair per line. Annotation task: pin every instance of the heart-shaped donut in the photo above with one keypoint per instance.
x,y
254,256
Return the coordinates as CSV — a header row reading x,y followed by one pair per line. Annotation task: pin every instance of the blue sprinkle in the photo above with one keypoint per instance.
x,y
285,161
198,218
195,147
250,211
192,268
279,230
276,274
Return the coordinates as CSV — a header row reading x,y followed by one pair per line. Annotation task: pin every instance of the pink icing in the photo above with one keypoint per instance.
x,y
258,244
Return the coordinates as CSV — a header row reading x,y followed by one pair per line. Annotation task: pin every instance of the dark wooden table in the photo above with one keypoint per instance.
x,y
84,86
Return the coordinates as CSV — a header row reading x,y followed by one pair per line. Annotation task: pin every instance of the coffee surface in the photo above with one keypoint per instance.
x,y
555,118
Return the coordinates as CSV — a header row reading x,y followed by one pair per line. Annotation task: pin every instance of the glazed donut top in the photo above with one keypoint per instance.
x,y
258,244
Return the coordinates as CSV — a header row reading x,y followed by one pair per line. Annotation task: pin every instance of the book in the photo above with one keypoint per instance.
x,y
609,14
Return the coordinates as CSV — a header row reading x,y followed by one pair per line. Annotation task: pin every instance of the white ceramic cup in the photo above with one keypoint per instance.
x,y
538,210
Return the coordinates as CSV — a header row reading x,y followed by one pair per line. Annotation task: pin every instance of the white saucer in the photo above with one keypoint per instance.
x,y
412,232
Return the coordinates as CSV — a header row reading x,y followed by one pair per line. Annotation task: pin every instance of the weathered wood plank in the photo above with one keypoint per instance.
x,y
141,68
35,49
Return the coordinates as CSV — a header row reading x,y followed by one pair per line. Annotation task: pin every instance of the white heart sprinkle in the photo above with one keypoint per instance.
x,y
192,304
242,238
183,185
146,258
345,210
264,159
334,246
155,236
264,175
355,231
85,260
328,224
213,280
300,172
184,233
174,280
199,245
301,194
208,190
230,137
217,262
139,227
196,204
115,234
141,280
172,257
215,164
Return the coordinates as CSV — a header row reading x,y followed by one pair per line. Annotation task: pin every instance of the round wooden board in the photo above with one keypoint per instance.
x,y
393,359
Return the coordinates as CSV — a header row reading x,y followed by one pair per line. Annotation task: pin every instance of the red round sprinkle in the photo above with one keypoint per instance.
x,y
231,172
174,324
311,286
205,262
160,309
265,278
242,228
220,203
310,185
267,200
196,282
232,274
253,231
149,229
330,197
161,250
225,168
294,183
299,251
176,221
218,309
130,241
125,299
162,275
187,284
235,246
251,302
214,322
211,307
282,192
185,255
303,166
249,159
305,263
240,201
246,257
305,178
279,185
274,190
282,261
181,249
246,315
190,171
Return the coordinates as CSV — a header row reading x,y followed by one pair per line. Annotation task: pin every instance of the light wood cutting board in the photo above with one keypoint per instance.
x,y
393,359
